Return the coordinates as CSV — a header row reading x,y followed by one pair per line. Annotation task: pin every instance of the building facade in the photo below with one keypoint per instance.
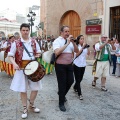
x,y
88,17
7,27
111,25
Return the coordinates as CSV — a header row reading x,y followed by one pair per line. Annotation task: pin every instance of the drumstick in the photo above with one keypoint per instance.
x,y
22,69
36,53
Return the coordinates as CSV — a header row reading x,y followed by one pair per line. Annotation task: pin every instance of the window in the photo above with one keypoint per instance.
x,y
114,30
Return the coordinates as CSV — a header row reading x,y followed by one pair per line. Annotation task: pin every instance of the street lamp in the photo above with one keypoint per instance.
x,y
41,26
31,18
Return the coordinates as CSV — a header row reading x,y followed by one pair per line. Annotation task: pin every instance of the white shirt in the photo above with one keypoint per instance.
x,y
80,61
60,42
117,46
2,43
29,48
40,42
5,44
49,45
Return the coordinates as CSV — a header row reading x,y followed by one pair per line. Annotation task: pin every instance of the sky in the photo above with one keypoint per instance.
x,y
18,5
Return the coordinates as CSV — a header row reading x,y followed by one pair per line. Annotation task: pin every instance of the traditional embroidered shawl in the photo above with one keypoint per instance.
x,y
8,49
100,54
19,50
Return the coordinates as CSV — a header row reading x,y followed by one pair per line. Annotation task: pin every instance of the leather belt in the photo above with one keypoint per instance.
x,y
24,63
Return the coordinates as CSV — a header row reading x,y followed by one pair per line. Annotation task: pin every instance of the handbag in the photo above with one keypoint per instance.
x,y
54,58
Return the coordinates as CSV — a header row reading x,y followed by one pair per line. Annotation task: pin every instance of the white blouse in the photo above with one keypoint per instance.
x,y
29,48
80,61
5,45
60,42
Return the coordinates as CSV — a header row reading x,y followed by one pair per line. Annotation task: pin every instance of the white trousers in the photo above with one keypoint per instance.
x,y
102,69
20,83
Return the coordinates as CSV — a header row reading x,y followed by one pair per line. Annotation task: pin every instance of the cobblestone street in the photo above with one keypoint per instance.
x,y
97,105
35,35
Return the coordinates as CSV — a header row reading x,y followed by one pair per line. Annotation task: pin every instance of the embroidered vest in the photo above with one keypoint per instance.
x,y
19,50
8,49
100,54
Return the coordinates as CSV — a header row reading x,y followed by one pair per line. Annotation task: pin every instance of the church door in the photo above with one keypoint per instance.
x,y
72,19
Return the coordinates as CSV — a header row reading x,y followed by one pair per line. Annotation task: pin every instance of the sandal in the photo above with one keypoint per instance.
x,y
103,88
33,108
81,97
24,115
94,83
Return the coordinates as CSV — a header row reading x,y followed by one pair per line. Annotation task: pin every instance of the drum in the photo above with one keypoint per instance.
x,y
34,71
2,55
46,56
7,60
4,58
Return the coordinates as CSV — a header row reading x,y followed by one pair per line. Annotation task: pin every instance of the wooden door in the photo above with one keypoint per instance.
x,y
72,20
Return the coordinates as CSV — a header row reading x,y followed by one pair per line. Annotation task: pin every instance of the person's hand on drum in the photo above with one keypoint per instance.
x,y
37,55
16,67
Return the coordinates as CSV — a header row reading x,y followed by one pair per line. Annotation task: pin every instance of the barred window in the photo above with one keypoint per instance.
x,y
114,30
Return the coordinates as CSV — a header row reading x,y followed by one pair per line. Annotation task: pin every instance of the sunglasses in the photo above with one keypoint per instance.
x,y
104,37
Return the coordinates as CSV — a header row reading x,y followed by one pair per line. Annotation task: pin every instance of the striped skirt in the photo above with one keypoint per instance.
x,y
49,67
7,67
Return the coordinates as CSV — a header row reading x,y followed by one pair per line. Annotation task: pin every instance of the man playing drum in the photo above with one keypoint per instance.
x,y
20,58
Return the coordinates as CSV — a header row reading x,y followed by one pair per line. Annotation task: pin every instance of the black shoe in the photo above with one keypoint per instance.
x,y
65,100
104,89
75,90
62,108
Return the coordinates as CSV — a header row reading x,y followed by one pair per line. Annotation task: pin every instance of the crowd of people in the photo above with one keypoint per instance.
x,y
114,55
45,44
70,63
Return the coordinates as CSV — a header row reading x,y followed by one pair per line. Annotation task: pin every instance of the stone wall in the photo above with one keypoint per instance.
x,y
53,10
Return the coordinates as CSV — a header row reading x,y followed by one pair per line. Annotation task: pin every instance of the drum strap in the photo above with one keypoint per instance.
x,y
26,50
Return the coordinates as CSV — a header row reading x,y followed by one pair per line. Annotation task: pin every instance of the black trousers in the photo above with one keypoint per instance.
x,y
78,72
65,79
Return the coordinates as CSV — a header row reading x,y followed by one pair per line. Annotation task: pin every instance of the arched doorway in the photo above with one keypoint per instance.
x,y
72,19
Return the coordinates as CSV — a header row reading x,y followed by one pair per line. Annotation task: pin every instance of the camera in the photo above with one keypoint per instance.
x,y
87,46
73,39
111,39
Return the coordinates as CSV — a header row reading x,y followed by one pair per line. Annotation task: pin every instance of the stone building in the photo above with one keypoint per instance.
x,y
88,17
111,24
9,27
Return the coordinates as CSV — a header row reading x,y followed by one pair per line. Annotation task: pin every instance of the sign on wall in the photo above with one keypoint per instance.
x,y
94,22
96,29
